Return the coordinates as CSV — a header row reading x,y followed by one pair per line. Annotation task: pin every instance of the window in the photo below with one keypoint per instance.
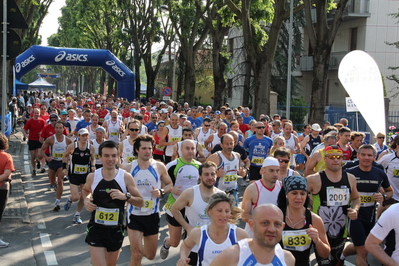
x,y
353,39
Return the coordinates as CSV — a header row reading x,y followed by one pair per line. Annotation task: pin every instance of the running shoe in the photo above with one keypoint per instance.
x,y
77,219
68,204
38,165
66,178
164,252
51,187
56,207
34,173
3,244
43,170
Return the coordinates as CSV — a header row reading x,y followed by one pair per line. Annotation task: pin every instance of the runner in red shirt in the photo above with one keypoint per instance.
x,y
102,113
31,131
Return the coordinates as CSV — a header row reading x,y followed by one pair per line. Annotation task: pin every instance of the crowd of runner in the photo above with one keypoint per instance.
x,y
322,190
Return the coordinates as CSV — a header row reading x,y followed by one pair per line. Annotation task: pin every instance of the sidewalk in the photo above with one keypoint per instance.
x,y
16,226
17,207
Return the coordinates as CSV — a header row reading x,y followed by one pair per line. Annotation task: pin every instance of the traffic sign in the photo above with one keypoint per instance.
x,y
166,98
167,91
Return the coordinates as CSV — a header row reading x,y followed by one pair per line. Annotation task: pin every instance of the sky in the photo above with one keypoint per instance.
x,y
50,22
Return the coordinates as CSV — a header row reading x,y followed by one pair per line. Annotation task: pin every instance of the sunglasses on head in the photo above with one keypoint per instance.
x,y
283,161
134,129
332,157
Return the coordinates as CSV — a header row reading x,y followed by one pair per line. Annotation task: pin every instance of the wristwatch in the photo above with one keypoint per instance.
x,y
162,191
385,196
128,195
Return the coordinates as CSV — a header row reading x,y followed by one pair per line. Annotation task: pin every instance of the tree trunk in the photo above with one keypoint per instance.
x,y
321,62
189,78
247,85
219,67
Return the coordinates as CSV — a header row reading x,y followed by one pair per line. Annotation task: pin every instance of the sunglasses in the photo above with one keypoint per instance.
x,y
274,125
332,157
134,129
53,120
154,117
43,108
380,137
207,125
161,126
283,161
260,127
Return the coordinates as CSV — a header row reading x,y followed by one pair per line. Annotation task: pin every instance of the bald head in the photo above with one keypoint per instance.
x,y
187,142
267,209
235,136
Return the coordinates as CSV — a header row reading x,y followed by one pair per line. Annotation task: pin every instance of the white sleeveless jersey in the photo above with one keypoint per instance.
x,y
127,154
146,181
96,153
59,148
92,133
265,195
275,134
119,178
174,134
248,259
216,140
290,144
202,136
143,130
208,249
230,167
113,130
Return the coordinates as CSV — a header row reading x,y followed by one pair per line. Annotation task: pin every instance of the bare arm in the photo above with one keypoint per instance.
x,y
355,198
201,154
136,199
86,193
311,163
250,193
289,258
229,256
373,246
48,142
188,243
184,200
6,175
317,232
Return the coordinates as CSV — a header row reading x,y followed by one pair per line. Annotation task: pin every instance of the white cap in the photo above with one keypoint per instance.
x,y
270,161
83,131
316,127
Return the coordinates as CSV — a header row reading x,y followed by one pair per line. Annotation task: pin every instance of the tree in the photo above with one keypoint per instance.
x,y
186,17
146,27
261,24
321,37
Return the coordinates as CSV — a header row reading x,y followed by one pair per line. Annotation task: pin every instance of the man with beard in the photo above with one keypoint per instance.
x,y
335,197
195,201
267,224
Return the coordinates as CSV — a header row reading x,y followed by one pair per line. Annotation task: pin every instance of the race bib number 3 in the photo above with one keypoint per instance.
x,y
296,240
106,216
337,196
173,139
58,155
131,159
229,178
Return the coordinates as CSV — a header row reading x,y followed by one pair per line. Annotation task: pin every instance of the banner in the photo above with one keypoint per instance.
x,y
350,106
7,124
361,78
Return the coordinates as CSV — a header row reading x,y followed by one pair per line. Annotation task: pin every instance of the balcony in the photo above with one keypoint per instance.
x,y
355,9
306,62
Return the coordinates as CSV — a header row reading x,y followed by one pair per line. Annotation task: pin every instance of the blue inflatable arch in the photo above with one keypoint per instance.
x,y
45,55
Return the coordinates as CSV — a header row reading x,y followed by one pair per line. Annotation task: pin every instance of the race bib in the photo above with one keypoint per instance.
x,y
159,147
57,155
106,216
97,156
366,199
101,120
203,146
80,169
173,139
168,205
131,159
229,178
114,133
257,160
337,196
297,240
395,172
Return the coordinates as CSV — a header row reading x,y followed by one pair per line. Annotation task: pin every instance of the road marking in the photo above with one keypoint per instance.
x,y
50,257
45,239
